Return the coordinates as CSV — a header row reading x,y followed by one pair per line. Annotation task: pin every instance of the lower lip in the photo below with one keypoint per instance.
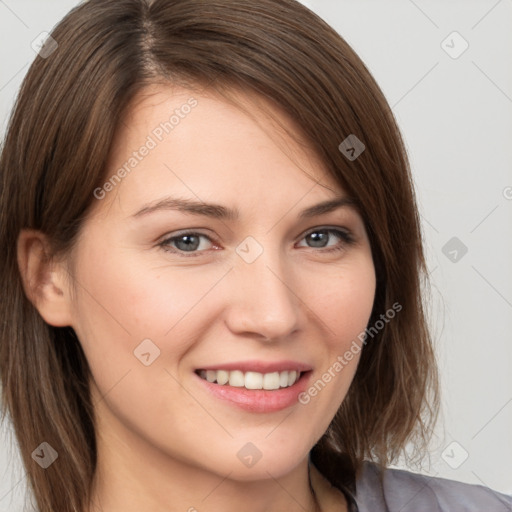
x,y
258,400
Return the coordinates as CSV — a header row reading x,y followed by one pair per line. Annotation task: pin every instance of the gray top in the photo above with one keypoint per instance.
x,y
402,491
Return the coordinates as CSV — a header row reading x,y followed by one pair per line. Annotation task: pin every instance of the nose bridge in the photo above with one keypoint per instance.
x,y
264,302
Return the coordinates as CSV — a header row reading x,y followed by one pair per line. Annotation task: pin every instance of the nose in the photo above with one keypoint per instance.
x,y
262,300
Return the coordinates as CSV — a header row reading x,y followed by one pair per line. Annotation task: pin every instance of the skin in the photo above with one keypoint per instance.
x,y
164,442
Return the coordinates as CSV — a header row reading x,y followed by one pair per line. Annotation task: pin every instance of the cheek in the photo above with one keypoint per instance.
x,y
122,300
136,323
345,304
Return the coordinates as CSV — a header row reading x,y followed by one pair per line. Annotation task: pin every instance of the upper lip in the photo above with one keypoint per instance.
x,y
260,366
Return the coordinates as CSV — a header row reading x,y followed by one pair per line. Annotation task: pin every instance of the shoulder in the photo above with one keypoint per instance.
x,y
393,490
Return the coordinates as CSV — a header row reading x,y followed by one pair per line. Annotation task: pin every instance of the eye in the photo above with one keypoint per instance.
x,y
320,238
191,243
188,242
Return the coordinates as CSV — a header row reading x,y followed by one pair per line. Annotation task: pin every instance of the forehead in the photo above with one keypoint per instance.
x,y
200,141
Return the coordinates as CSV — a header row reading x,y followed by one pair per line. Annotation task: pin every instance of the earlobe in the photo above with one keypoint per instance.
x,y
45,281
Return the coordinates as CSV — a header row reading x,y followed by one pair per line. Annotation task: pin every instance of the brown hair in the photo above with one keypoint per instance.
x,y
54,156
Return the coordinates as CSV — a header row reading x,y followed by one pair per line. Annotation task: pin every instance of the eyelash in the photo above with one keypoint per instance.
x,y
344,235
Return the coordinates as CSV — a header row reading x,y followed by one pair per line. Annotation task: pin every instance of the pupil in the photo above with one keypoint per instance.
x,y
317,238
189,242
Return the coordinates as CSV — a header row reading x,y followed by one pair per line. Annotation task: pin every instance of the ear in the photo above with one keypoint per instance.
x,y
45,281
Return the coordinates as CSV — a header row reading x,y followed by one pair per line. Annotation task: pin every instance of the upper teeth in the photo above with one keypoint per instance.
x,y
251,380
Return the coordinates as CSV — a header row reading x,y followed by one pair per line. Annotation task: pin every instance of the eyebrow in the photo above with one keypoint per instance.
x,y
218,211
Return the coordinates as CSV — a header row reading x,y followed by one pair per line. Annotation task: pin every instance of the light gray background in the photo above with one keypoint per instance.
x,y
455,114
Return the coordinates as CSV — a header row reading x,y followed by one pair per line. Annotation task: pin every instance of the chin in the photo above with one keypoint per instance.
x,y
261,459
276,466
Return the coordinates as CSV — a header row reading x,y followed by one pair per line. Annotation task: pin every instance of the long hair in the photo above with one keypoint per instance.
x,y
54,156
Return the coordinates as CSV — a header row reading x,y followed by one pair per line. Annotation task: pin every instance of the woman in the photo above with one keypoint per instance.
x,y
212,266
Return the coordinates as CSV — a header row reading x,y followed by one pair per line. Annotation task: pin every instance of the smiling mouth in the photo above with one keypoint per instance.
x,y
251,380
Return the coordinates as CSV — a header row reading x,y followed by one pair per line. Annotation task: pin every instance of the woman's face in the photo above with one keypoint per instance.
x,y
205,260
